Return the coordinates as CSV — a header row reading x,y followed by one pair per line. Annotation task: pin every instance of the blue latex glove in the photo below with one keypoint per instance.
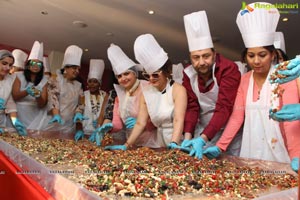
x,y
79,117
56,118
295,164
288,112
99,138
292,72
100,132
197,144
30,91
1,131
173,145
212,152
21,129
2,104
130,122
95,123
92,138
79,135
116,147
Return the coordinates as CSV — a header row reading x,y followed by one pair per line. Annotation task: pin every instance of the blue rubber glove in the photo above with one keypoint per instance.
x,y
100,132
79,135
21,129
173,145
116,147
295,164
79,117
56,118
99,137
292,72
197,144
288,112
1,131
30,91
130,122
95,123
212,152
92,138
2,104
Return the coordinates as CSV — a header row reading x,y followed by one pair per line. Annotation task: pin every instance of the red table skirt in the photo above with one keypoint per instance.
x,y
15,185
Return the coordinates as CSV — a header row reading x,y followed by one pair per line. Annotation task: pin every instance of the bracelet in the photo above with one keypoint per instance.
x,y
174,142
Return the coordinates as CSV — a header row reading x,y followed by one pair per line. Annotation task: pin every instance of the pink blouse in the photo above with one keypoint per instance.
x,y
289,130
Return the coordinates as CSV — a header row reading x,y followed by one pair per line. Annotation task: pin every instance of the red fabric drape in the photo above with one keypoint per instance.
x,y
18,186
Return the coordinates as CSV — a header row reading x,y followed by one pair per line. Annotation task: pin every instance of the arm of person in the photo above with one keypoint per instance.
x,y
100,119
192,110
81,103
116,120
43,98
180,104
141,123
16,90
228,81
53,97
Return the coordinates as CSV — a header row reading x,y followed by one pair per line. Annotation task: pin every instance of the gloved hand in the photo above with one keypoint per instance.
x,y
130,122
100,132
197,144
79,117
21,129
79,135
288,112
2,104
295,164
95,123
173,145
99,137
116,147
92,138
30,91
212,152
56,118
1,131
292,72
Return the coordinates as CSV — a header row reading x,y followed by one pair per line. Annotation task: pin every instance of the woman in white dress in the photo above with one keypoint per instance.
x,y
7,104
163,100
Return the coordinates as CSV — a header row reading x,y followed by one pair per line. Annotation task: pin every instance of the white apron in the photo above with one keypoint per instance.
x,y
5,93
161,111
68,101
262,137
129,107
88,112
207,102
29,113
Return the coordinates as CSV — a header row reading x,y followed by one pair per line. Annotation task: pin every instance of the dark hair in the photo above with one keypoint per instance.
x,y
284,55
167,69
39,75
270,48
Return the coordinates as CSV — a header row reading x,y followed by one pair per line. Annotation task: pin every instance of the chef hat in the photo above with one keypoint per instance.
x,y
242,66
197,31
96,69
46,64
20,58
119,60
177,72
149,53
37,51
257,24
279,41
72,56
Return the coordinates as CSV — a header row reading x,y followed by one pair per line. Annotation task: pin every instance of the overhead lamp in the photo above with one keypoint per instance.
x,y
151,12
80,24
285,19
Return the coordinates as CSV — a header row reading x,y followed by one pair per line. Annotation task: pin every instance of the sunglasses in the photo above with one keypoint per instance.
x,y
154,75
123,74
39,64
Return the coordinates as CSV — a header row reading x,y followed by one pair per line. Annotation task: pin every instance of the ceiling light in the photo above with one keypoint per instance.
x,y
86,50
80,24
109,34
151,12
285,19
44,12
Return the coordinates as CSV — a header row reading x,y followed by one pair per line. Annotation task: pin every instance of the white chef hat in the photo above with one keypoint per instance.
x,y
279,41
96,69
149,53
120,62
37,51
72,56
257,24
242,66
46,64
177,72
197,31
20,58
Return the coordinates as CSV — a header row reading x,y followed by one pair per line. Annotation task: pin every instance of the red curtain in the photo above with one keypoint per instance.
x,y
18,186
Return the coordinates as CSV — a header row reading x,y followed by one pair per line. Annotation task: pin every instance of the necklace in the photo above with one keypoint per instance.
x,y
95,103
133,88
